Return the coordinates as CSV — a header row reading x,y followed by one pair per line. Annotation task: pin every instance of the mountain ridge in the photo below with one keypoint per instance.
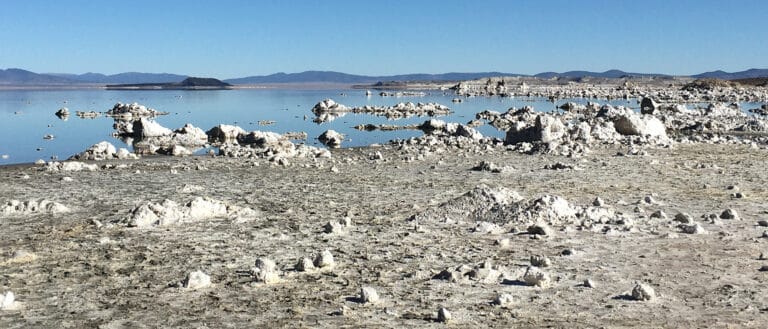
x,y
15,76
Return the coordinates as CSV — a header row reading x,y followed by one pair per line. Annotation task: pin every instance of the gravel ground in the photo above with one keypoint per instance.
x,y
85,269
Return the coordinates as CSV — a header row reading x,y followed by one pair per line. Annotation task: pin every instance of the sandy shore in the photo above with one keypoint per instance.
x,y
85,269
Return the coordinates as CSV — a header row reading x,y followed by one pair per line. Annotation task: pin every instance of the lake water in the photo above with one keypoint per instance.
x,y
26,116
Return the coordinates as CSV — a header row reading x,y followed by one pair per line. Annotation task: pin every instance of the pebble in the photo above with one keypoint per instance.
x,y
443,315
535,277
368,295
589,283
266,271
729,214
504,300
763,223
540,261
643,292
197,280
324,260
305,264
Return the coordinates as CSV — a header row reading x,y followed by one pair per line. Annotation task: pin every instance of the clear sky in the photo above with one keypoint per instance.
x,y
229,38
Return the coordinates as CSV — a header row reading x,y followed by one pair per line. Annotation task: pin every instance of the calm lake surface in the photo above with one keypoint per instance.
x,y
26,116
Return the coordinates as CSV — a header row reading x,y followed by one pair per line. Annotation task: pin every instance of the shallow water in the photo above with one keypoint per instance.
x,y
26,116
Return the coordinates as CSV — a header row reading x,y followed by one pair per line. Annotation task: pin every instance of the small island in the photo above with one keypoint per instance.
x,y
190,83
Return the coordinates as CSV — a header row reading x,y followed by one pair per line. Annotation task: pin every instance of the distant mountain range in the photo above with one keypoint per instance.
x,y
23,77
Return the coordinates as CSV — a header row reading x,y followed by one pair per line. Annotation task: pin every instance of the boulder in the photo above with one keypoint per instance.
x,y
645,125
259,138
224,133
648,106
147,128
99,151
331,138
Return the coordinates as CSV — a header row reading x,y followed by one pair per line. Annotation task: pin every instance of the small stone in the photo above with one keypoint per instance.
x,y
443,315
535,277
598,202
266,271
504,300
763,223
197,280
684,218
589,283
649,200
763,268
7,301
694,228
643,292
305,264
737,195
566,252
503,243
324,259
763,256
540,229
660,214
368,295
540,261
729,214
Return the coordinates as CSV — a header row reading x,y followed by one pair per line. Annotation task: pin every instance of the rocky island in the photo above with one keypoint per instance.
x,y
190,83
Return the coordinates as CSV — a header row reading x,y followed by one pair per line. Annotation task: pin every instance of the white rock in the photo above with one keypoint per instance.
x,y
536,277
7,301
305,265
197,280
266,271
643,292
324,260
368,295
147,128
504,300
331,138
540,261
443,315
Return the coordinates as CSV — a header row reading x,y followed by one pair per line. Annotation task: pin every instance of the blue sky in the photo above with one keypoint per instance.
x,y
228,38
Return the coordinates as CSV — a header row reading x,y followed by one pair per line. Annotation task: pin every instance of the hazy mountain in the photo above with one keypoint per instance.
x,y
24,77
337,77
751,73
610,74
123,78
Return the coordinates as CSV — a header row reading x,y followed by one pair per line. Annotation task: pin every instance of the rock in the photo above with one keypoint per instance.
x,y
144,128
640,125
648,106
331,138
328,105
540,261
168,212
16,207
368,295
443,315
504,300
694,228
7,301
266,271
485,273
130,111
763,223
305,265
486,228
684,218
178,150
598,202
643,292
540,229
197,280
536,277
589,283
660,214
62,112
224,133
324,260
546,129
259,138
729,214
